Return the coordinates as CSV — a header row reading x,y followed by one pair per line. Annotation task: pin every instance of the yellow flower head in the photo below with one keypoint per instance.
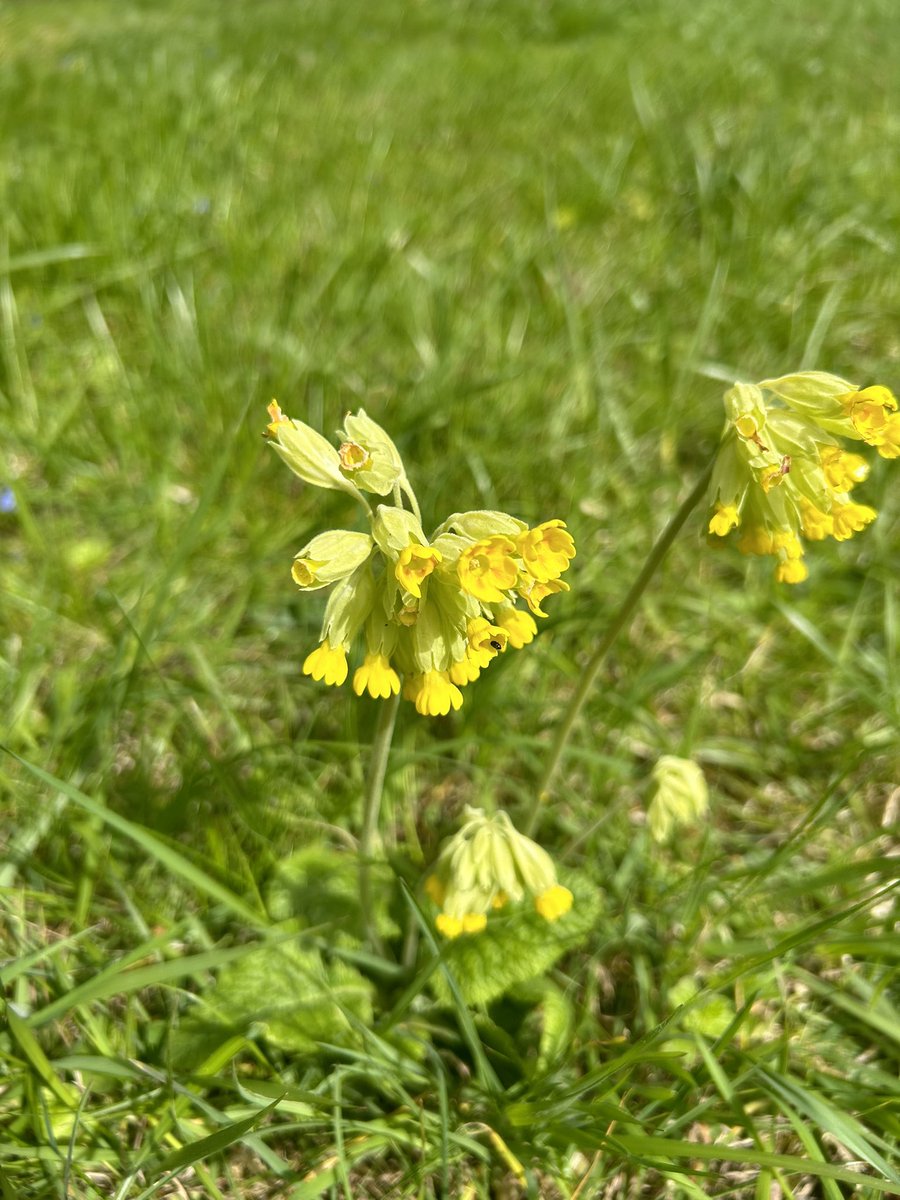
x,y
533,592
848,519
724,519
377,677
554,903
487,569
546,550
328,663
414,566
843,471
434,694
519,626
816,525
486,639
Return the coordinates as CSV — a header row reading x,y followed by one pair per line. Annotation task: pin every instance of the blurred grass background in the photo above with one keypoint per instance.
x,y
535,241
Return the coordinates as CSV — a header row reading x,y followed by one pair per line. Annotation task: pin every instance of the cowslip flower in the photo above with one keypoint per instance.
x,y
432,612
681,796
486,865
782,475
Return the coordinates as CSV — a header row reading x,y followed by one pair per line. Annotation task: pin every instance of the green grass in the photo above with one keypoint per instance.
x,y
533,240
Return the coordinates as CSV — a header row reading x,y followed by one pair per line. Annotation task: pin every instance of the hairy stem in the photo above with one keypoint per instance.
x,y
619,621
370,839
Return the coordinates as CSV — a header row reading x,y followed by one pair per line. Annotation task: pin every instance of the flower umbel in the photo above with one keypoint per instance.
x,y
782,475
681,796
486,865
433,612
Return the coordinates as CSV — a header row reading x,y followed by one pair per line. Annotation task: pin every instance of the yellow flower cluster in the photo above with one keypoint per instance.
x,y
486,865
782,473
434,611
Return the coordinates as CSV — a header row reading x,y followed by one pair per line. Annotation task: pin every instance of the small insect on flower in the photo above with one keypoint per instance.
x,y
432,611
782,475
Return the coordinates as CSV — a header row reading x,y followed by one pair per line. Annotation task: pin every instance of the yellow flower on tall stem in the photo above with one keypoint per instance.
x,y
433,612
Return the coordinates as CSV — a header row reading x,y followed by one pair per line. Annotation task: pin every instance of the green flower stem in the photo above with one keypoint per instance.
x,y
617,624
370,839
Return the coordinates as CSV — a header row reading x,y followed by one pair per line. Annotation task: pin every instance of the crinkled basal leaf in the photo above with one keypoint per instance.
x,y
516,947
709,1013
287,993
556,1019
319,886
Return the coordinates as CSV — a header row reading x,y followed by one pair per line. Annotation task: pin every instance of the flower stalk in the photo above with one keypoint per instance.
x,y
619,621
370,844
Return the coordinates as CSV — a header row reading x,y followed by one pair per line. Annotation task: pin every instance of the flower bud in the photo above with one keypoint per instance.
x,y
486,865
306,452
367,455
329,557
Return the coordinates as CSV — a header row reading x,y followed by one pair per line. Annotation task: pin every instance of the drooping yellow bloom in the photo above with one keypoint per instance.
x,y
843,471
377,677
327,663
782,473
872,412
519,626
486,866
533,592
850,518
791,570
486,639
452,927
414,566
546,550
434,694
433,612
724,519
554,903
816,524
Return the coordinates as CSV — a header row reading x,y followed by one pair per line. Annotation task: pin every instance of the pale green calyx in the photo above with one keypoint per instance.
x,y
348,607
394,528
367,455
681,796
481,523
746,410
306,452
810,391
329,557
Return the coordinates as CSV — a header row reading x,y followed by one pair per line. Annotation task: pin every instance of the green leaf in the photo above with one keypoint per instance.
x,y
286,992
556,1015
214,1142
320,886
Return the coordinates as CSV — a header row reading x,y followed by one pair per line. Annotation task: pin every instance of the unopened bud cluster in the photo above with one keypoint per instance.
x,y
680,798
782,472
434,611
486,865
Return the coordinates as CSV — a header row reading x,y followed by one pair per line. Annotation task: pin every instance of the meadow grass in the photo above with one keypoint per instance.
x,y
536,241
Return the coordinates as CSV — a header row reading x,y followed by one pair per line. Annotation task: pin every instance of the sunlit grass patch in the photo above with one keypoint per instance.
x,y
536,243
